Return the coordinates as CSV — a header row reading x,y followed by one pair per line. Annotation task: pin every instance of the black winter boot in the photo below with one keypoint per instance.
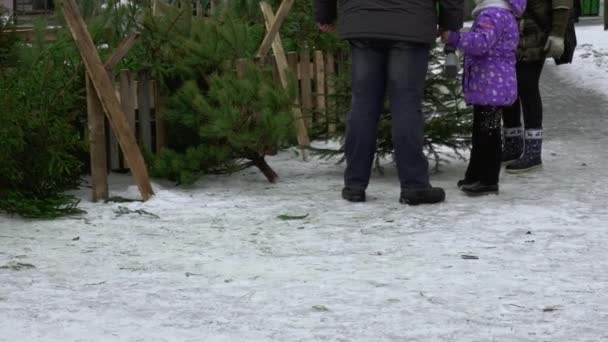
x,y
353,195
531,159
513,146
486,150
422,196
471,176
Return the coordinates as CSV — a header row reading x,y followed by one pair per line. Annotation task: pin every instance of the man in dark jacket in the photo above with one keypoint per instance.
x,y
390,44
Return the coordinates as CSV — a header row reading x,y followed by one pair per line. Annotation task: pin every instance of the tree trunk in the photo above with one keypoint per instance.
x,y
261,164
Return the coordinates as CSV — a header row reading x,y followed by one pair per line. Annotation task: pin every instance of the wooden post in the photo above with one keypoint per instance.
x,y
330,73
97,144
305,86
105,91
274,25
282,68
97,130
320,88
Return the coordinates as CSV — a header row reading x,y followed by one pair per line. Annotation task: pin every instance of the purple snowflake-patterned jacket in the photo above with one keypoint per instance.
x,y
489,53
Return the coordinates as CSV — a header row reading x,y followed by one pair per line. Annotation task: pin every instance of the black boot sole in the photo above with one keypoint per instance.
x,y
463,182
479,193
531,168
478,189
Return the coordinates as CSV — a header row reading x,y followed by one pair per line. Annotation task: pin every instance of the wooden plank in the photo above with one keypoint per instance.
x,y
241,67
292,62
199,9
161,125
306,87
127,100
282,69
114,153
320,89
275,71
121,51
97,144
273,28
29,34
143,110
330,73
104,88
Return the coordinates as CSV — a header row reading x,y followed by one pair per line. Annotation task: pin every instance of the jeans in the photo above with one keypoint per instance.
x,y
397,69
529,100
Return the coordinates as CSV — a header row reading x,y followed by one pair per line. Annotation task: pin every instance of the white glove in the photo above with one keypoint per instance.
x,y
554,47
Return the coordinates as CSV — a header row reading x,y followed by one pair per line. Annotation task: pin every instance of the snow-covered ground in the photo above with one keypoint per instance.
x,y
590,66
237,259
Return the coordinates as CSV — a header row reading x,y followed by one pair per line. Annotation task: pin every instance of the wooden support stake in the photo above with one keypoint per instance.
x,y
306,87
105,91
273,26
282,68
320,88
121,51
97,144
330,72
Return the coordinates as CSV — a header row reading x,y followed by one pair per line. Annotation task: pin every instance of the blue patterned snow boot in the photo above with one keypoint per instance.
x,y
531,158
513,146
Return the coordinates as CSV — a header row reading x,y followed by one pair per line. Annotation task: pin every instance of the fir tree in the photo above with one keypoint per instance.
x,y
230,127
41,100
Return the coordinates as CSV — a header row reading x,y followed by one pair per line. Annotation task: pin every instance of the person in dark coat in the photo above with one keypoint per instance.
x,y
543,28
390,42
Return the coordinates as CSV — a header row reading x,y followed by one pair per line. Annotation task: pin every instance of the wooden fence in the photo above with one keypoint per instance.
x,y
140,97
315,73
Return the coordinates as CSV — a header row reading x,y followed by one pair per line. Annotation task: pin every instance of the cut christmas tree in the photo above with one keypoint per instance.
x,y
229,127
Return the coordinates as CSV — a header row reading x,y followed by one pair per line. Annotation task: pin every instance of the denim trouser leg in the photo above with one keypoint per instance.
x,y
407,68
369,63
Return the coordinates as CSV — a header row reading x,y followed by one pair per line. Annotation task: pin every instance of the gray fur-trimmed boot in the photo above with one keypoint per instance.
x,y
513,146
531,159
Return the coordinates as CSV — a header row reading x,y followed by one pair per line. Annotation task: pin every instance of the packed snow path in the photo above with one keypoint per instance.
x,y
219,262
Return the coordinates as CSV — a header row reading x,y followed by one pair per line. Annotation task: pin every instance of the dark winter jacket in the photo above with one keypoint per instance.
x,y
402,20
541,19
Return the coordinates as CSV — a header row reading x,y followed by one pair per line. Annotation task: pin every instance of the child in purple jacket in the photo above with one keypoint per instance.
x,y
489,84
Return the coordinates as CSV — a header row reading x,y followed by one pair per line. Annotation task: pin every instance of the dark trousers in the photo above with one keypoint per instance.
x,y
484,164
529,100
397,69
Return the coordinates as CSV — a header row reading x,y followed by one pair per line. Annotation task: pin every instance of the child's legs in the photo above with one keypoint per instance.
x,y
488,145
